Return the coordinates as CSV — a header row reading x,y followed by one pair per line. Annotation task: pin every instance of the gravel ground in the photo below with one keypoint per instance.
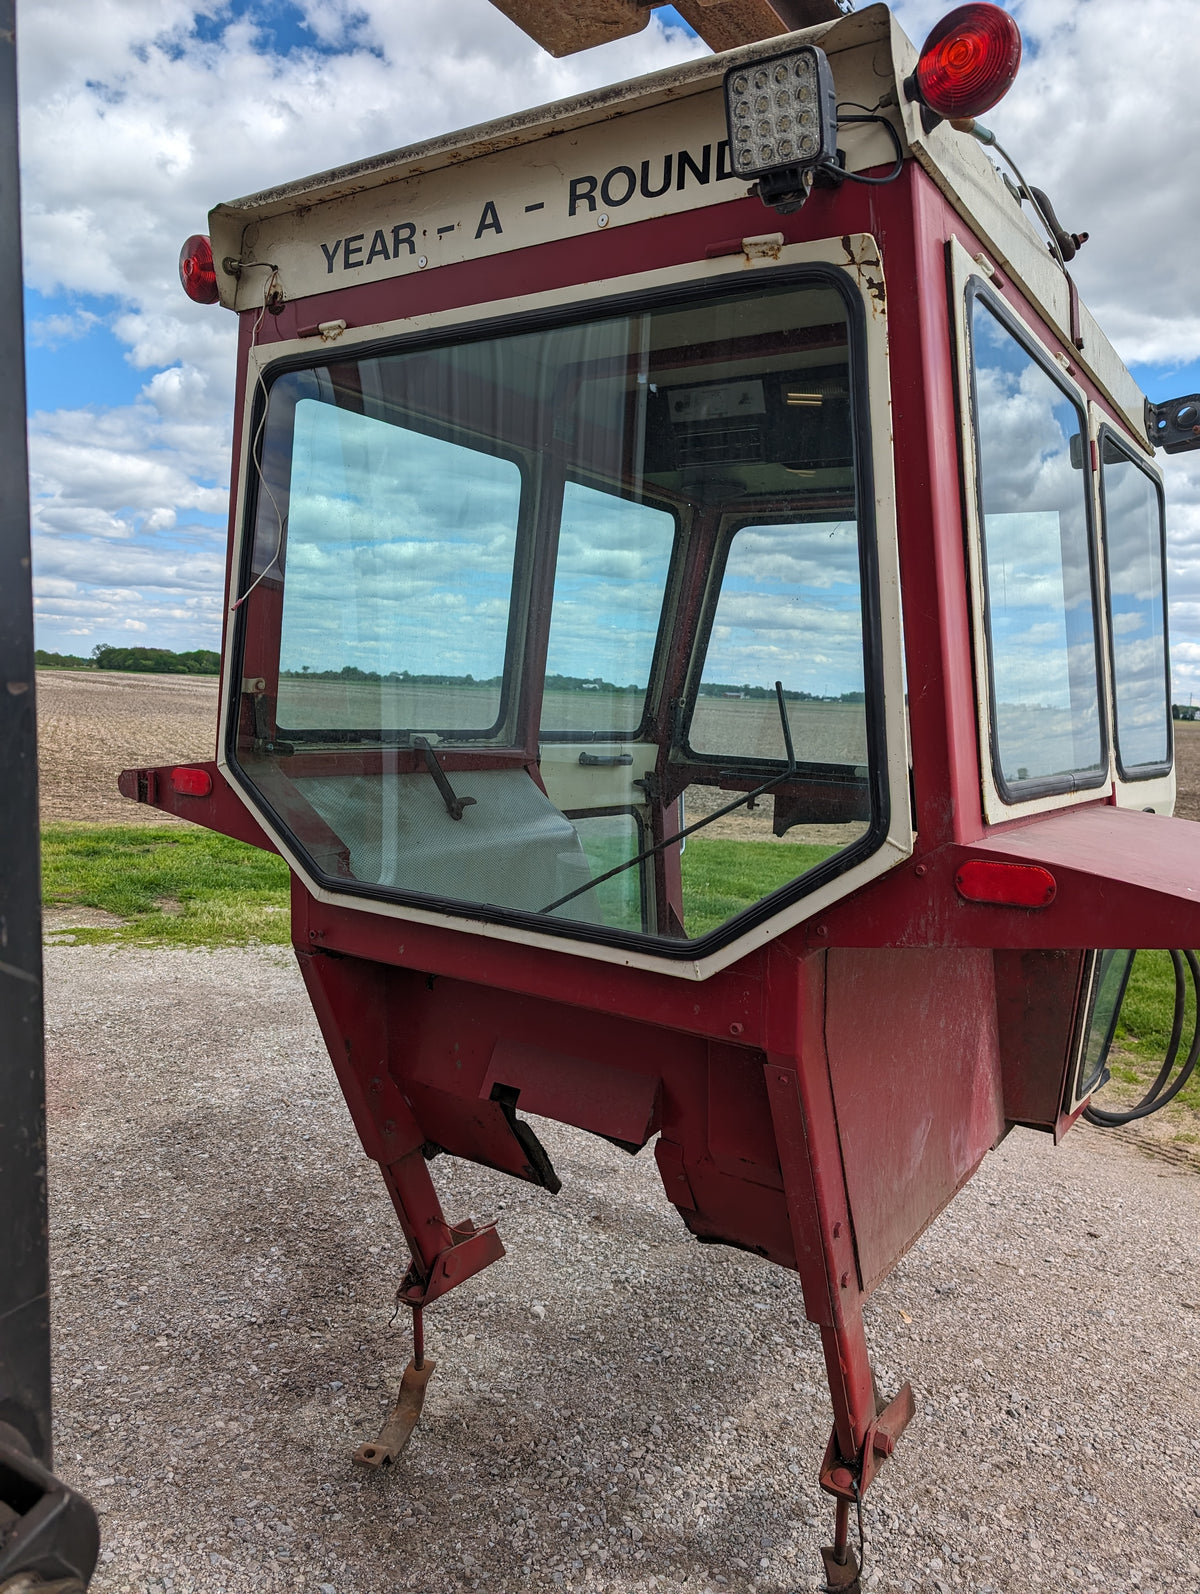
x,y
615,1407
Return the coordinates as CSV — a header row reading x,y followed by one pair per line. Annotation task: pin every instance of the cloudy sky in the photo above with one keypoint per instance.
x,y
138,115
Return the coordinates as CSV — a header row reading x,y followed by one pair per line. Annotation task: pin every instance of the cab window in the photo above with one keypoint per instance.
x,y
1032,456
1135,556
514,605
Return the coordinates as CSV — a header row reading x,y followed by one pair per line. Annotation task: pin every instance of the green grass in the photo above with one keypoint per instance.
x,y
721,877
190,887
174,886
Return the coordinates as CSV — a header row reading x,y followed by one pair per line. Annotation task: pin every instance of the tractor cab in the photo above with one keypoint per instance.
x,y
696,631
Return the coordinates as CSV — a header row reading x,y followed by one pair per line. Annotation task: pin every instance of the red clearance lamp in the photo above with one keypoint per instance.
x,y
191,782
969,62
1005,885
197,271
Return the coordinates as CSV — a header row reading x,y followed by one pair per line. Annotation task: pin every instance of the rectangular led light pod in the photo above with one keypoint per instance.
x,y
782,113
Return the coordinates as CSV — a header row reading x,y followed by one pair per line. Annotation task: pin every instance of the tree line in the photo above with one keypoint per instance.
x,y
135,661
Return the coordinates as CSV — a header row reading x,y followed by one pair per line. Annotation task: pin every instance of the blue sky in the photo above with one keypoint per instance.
x,y
139,114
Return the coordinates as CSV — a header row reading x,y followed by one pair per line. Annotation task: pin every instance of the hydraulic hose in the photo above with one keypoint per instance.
x,y
1164,1089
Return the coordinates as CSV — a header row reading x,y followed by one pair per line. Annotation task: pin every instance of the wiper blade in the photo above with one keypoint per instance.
x,y
454,805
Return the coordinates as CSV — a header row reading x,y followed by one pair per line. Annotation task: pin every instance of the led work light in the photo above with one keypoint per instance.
x,y
782,117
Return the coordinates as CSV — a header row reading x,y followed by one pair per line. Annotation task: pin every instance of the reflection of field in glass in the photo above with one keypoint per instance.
x,y
396,705
822,732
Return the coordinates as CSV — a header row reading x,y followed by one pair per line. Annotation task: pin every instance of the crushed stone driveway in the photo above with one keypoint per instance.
x,y
615,1407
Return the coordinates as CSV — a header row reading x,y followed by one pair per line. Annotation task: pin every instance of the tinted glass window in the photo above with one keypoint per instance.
x,y
1033,483
400,558
789,610
609,582
1133,548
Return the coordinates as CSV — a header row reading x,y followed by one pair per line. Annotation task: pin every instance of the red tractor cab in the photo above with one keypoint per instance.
x,y
696,631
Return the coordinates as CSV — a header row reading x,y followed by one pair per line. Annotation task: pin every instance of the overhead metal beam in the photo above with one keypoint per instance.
x,y
563,27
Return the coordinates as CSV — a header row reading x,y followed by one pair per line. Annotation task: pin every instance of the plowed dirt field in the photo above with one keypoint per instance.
x,y
92,725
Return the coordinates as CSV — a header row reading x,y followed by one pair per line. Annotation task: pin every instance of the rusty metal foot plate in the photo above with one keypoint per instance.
x,y
402,1419
841,1576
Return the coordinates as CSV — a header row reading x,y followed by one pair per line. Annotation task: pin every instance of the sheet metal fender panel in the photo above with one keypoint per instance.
x,y
1123,878
598,1096
914,1062
221,810
1037,994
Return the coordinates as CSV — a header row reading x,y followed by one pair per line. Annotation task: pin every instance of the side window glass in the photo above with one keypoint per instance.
x,y
1031,438
1133,550
610,580
789,610
399,551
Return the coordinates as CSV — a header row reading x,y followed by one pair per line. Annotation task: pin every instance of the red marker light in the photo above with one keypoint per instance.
x,y
191,782
968,62
1006,885
197,271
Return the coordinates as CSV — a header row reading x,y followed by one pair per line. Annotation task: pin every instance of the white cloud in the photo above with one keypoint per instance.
x,y
133,126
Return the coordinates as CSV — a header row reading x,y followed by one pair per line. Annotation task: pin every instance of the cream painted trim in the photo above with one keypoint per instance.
x,y
858,257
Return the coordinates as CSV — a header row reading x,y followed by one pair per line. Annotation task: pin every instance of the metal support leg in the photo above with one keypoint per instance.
x,y
406,1413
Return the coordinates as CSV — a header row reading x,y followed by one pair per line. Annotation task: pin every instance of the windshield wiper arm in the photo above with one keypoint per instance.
x,y
454,805
699,824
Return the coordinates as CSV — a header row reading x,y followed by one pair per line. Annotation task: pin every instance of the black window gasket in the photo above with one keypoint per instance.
x,y
1107,434
673,295
1013,793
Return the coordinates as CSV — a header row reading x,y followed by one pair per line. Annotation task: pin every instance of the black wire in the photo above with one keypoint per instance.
x,y
875,182
1160,1093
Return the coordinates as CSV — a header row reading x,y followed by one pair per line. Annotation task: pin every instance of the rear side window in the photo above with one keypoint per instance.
x,y
1047,732
1134,551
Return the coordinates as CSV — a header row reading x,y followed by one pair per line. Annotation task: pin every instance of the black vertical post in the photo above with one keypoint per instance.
x,y
48,1533
24,1268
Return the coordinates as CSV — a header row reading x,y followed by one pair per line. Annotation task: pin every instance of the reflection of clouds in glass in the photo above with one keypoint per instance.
x,y
609,582
1133,533
1040,615
399,551
790,610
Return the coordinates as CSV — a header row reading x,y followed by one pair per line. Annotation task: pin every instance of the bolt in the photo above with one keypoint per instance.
x,y
845,1281
736,1029
602,221
882,1443
422,261
841,1478
822,930
921,869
